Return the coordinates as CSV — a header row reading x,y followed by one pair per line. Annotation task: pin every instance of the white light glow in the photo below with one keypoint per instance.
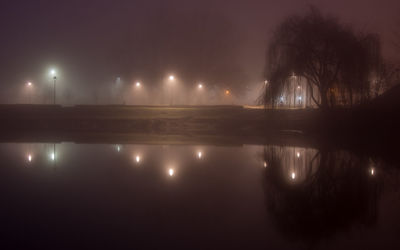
x,y
138,84
53,156
265,164
200,86
372,171
293,175
29,84
53,72
199,154
171,77
298,155
118,148
137,158
29,157
171,172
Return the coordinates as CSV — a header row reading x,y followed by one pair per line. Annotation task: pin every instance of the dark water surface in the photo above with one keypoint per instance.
x,y
69,196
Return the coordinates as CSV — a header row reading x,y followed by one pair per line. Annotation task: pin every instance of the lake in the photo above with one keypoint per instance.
x,y
68,195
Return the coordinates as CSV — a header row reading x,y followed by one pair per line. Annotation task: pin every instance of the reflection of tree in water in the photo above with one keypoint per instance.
x,y
311,195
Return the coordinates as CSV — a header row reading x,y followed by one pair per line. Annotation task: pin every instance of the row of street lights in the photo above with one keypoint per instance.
x,y
138,84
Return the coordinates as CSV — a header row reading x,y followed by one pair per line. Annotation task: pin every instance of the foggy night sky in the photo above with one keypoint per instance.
x,y
220,42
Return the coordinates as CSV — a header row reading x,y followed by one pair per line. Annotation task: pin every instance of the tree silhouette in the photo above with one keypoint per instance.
x,y
330,57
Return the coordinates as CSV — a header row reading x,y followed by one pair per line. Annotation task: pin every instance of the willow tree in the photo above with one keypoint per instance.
x,y
329,56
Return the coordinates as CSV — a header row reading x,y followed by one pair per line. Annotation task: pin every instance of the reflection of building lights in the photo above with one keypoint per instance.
x,y
293,175
299,98
171,172
265,164
118,148
298,154
29,157
137,158
372,171
199,154
282,99
53,156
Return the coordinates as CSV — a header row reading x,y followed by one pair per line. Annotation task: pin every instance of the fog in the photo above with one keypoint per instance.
x,y
91,44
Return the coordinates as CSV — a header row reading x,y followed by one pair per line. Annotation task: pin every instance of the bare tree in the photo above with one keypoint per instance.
x,y
329,56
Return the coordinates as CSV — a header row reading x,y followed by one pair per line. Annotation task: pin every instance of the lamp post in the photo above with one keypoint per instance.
x,y
171,79
29,85
53,74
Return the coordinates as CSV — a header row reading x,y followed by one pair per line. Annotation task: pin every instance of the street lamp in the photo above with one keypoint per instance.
x,y
138,84
200,86
171,79
53,74
29,85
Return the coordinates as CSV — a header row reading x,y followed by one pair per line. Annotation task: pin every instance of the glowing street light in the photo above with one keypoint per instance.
x,y
171,172
53,74
227,92
265,164
372,171
293,175
298,154
138,84
200,86
29,86
29,158
53,156
137,159
171,79
199,154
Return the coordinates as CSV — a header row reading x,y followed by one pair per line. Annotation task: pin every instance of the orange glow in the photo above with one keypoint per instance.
x,y
227,92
